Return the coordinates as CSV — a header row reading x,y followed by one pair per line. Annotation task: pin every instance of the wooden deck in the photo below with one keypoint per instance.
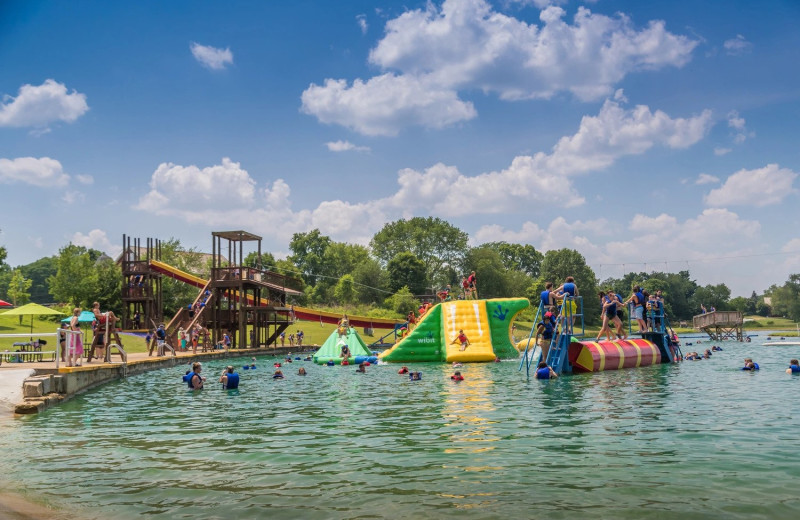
x,y
720,325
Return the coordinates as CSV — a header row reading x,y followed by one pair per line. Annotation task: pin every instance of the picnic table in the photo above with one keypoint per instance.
x,y
27,351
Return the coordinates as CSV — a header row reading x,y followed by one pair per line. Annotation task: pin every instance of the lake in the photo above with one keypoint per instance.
x,y
693,440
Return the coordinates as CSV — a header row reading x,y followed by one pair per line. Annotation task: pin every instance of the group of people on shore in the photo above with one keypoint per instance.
x,y
295,338
71,343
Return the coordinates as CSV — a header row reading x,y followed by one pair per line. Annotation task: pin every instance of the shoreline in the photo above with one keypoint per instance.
x,y
14,506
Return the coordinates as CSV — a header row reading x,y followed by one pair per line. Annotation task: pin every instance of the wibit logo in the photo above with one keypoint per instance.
x,y
427,339
500,313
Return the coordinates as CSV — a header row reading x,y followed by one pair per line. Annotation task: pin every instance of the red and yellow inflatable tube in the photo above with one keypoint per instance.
x,y
596,356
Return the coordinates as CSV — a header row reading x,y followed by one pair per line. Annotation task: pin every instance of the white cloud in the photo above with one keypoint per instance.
x,y
737,46
738,124
759,187
97,239
660,224
385,104
345,146
197,193
705,178
439,190
696,243
362,23
39,106
43,172
466,45
72,197
212,57
719,151
85,179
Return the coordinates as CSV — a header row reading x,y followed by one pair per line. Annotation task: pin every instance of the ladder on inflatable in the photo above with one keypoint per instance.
x,y
565,330
529,356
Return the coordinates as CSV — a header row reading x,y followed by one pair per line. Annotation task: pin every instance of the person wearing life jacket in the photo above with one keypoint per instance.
x,y
544,333
568,291
229,379
195,380
461,338
794,367
637,299
403,370
547,297
457,376
545,372
750,365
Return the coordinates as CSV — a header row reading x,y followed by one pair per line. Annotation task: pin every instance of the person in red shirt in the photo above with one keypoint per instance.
x,y
461,338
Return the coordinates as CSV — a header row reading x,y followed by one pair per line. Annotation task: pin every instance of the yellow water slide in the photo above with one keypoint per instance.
x,y
469,316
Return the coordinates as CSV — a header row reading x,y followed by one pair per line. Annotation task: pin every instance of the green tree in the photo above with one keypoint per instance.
x,y
558,264
752,304
402,302
308,251
39,271
786,298
345,290
75,281
438,244
19,289
520,257
406,270
489,271
740,303
109,285
716,296
371,281
266,261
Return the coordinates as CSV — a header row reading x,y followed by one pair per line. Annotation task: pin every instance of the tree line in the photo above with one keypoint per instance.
x,y
406,262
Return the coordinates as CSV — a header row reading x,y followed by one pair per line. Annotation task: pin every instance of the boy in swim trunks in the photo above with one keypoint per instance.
x,y
461,338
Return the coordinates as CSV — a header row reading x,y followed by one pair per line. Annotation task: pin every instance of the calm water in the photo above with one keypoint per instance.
x,y
696,440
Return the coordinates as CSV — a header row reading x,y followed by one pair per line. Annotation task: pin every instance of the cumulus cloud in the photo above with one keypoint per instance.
x,y
385,104
361,19
705,178
466,45
212,57
97,239
204,191
43,172
759,187
698,241
439,189
738,125
39,106
737,46
345,146
719,151
85,179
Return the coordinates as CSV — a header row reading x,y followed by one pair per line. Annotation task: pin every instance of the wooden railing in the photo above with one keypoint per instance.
x,y
717,318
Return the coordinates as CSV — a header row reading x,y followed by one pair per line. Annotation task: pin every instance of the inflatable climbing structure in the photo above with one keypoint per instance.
x,y
331,350
486,323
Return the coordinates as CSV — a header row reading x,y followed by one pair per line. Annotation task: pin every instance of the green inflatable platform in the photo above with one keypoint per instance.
x,y
331,350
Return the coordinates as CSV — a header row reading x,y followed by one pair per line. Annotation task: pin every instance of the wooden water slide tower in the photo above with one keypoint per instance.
x,y
141,286
720,325
247,302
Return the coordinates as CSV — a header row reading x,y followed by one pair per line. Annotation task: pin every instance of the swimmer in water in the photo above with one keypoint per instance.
x,y
457,376
361,368
301,372
415,376
403,370
794,367
456,364
278,374
750,365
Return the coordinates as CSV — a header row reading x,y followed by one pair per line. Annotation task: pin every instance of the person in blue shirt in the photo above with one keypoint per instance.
x,y
794,367
545,372
229,379
195,380
568,289
547,297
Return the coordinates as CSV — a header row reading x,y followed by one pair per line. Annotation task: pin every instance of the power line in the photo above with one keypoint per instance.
x,y
686,261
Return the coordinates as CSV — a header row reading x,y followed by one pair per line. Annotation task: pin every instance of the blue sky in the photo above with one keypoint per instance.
x,y
648,136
